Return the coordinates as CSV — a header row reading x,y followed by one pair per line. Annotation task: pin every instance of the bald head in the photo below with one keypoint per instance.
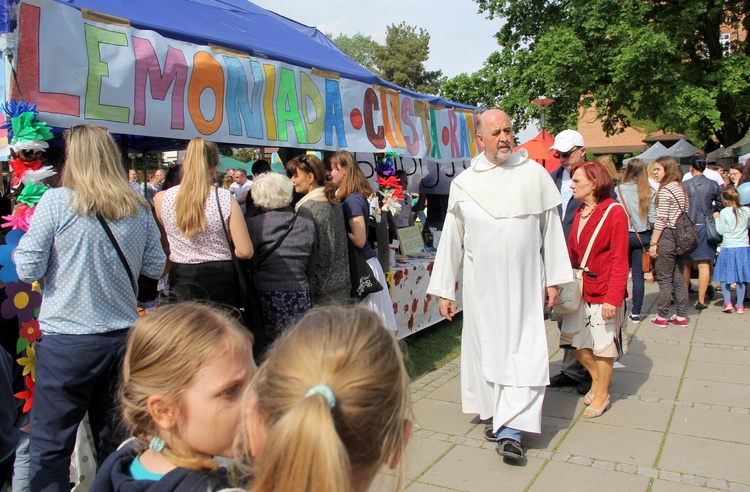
x,y
495,133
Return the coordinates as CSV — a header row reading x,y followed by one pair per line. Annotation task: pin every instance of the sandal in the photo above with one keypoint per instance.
x,y
587,399
488,434
510,448
592,413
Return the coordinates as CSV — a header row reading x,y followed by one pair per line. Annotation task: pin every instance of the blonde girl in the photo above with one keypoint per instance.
x,y
202,265
329,406
733,263
185,370
354,192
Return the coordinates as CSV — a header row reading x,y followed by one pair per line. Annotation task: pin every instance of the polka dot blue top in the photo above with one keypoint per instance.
x,y
86,289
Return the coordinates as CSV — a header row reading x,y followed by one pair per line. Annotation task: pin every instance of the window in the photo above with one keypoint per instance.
x,y
724,40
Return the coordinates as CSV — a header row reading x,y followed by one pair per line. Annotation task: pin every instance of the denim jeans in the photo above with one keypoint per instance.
x,y
636,268
508,433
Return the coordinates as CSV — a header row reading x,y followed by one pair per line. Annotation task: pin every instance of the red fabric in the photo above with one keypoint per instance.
x,y
608,259
538,150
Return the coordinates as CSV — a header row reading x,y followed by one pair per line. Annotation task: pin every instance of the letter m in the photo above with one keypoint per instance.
x,y
147,68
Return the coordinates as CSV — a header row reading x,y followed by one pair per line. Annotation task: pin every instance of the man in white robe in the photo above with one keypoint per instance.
x,y
503,222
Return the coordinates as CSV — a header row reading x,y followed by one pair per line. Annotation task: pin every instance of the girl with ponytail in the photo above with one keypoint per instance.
x,y
329,406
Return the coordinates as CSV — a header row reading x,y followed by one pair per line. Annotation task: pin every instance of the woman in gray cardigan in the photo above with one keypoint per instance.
x,y
284,247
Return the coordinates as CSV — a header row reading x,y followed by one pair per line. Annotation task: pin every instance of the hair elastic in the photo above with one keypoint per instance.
x,y
157,444
322,390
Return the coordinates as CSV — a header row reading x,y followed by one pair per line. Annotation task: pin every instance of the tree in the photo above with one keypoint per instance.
x,y
401,59
659,61
247,154
359,47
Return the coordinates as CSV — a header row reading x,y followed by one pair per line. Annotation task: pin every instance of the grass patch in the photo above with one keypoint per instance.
x,y
433,347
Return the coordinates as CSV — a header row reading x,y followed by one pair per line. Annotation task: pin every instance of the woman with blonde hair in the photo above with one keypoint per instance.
x,y
609,164
329,405
89,299
329,281
638,198
202,266
354,192
671,201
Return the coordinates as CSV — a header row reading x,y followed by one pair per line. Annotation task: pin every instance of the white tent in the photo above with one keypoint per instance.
x,y
651,153
743,158
682,149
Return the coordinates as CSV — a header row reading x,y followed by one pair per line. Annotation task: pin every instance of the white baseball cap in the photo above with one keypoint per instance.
x,y
566,140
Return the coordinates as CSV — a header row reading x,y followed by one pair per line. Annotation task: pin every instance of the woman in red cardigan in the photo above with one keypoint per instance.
x,y
596,331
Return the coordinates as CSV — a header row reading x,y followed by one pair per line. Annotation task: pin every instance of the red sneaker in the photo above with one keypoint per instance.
x,y
660,322
679,322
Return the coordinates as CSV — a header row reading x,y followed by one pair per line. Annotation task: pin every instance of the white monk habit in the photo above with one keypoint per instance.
x,y
503,222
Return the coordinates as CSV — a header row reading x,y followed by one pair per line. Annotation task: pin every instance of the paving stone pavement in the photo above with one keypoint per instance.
x,y
679,421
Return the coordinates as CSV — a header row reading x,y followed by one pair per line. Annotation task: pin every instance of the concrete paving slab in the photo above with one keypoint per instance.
x,y
450,391
712,371
562,404
723,337
647,385
706,458
553,430
607,442
715,393
651,365
723,356
479,470
703,422
421,454
636,414
423,487
441,416
665,486
664,350
568,476
671,332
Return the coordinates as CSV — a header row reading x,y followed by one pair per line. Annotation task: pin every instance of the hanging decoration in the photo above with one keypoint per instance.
x,y
390,187
27,141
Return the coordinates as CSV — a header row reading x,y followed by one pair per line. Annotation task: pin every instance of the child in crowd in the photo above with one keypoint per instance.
x,y
184,373
733,263
329,405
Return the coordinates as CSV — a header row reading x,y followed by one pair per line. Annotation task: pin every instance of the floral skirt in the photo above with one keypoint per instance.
x,y
587,329
282,309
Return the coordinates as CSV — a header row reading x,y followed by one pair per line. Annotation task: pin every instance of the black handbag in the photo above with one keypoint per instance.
x,y
363,281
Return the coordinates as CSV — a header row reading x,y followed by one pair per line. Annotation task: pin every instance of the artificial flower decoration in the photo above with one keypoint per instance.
x,y
20,219
32,176
29,363
30,331
8,272
14,109
27,394
20,167
29,134
31,193
389,186
22,301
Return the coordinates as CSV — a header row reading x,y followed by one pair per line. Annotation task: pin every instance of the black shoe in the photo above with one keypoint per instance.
x,y
562,379
583,387
510,448
700,307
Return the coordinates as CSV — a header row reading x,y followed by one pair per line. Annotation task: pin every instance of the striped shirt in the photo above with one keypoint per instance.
x,y
673,200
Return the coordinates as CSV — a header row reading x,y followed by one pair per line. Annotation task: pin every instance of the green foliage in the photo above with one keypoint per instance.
x,y
433,347
638,61
401,60
226,150
359,47
247,154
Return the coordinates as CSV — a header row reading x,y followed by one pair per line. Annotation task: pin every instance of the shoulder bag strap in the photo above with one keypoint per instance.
x,y
625,206
596,233
224,226
677,201
124,261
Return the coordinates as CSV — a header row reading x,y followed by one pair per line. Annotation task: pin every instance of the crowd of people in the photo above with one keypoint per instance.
x,y
328,403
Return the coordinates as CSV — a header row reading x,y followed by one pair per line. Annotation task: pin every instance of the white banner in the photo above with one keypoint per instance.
x,y
79,69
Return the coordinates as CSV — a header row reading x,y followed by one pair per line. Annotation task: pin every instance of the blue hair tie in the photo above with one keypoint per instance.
x,y
322,390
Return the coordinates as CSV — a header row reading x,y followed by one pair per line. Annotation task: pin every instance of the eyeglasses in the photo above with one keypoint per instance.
x,y
568,153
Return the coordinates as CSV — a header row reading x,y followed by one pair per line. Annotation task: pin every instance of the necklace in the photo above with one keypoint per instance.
x,y
588,214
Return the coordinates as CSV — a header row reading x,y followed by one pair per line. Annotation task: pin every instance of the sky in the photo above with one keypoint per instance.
x,y
461,39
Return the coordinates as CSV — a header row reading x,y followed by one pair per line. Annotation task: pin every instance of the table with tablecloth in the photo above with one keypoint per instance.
x,y
414,309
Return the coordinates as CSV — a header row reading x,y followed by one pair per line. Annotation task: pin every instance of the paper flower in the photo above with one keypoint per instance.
x,y
13,109
22,301
29,363
29,134
31,193
20,167
30,331
8,272
37,176
21,217
27,394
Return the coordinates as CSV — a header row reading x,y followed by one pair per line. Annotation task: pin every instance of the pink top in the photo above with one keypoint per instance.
x,y
209,245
